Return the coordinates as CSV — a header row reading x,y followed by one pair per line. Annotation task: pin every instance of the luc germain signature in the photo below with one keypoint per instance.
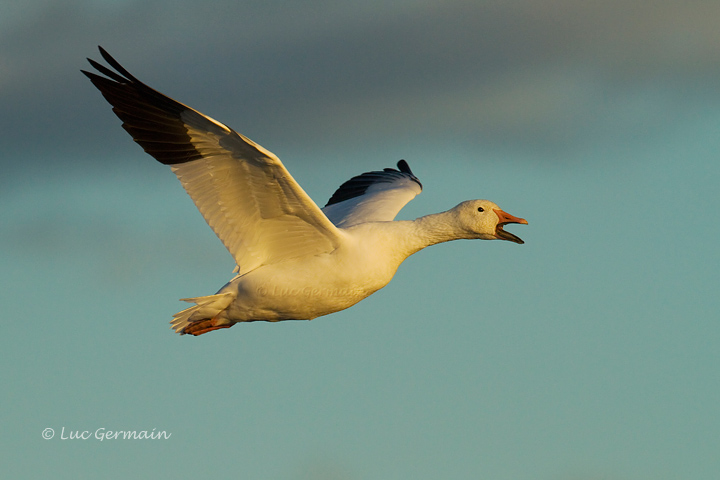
x,y
103,433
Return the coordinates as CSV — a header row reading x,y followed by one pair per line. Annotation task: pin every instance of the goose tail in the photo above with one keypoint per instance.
x,y
204,316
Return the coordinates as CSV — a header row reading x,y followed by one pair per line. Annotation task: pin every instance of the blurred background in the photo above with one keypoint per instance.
x,y
590,352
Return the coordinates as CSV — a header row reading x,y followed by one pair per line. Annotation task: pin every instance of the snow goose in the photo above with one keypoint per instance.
x,y
295,261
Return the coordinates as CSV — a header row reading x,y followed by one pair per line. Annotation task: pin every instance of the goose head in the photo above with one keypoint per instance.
x,y
483,219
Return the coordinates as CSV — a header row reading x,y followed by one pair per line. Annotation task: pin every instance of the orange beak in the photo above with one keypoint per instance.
x,y
503,219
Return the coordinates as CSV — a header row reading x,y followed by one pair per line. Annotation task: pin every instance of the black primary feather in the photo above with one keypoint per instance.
x,y
155,121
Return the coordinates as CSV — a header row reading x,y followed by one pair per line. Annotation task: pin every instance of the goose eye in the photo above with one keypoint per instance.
x,y
481,209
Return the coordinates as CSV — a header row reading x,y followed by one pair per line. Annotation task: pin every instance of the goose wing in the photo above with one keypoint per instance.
x,y
373,196
243,191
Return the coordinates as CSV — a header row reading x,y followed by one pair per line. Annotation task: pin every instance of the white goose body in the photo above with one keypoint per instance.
x,y
306,288
295,261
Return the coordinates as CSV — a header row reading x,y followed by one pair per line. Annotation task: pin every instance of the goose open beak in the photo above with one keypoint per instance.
x,y
504,219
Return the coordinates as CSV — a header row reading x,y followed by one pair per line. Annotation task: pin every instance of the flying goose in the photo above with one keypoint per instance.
x,y
295,261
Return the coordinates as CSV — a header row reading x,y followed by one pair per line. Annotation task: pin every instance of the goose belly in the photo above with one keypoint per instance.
x,y
294,291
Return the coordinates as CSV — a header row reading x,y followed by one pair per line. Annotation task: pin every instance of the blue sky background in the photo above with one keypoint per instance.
x,y
590,352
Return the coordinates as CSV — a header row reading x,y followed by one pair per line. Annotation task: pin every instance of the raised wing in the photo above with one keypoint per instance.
x,y
242,190
373,196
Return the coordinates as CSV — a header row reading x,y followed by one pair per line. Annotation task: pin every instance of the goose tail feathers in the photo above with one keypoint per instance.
x,y
204,316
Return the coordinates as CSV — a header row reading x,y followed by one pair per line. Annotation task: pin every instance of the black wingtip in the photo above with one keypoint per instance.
x,y
404,167
108,58
114,64
151,118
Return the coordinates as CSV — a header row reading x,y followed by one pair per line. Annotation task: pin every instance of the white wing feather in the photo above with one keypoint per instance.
x,y
381,202
253,204
242,190
373,196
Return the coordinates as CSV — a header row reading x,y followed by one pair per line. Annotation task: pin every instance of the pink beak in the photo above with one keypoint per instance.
x,y
503,219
